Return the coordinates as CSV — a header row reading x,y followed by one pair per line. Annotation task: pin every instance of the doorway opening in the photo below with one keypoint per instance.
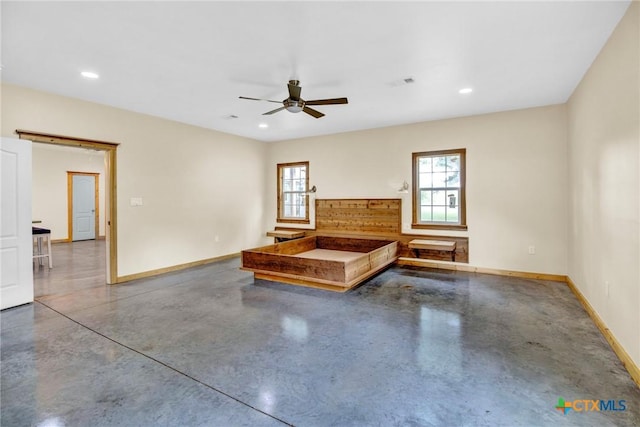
x,y
110,211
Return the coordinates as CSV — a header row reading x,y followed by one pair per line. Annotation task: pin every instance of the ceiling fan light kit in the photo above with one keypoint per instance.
x,y
295,104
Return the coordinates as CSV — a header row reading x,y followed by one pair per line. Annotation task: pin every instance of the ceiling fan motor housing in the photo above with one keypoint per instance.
x,y
294,106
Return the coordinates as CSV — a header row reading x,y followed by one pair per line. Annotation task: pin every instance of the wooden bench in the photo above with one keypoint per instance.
x,y
284,235
433,245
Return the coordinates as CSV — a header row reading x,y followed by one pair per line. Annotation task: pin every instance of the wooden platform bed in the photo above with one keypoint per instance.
x,y
331,263
353,240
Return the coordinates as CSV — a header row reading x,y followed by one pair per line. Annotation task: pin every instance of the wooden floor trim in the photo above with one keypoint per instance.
x,y
622,354
71,241
151,273
444,265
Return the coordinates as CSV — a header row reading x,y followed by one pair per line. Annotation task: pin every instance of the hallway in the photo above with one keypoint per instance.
x,y
207,346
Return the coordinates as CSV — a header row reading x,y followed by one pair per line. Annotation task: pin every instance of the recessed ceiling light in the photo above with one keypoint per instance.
x,y
263,125
89,75
465,90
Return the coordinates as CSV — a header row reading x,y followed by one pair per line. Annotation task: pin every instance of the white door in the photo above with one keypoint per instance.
x,y
16,244
84,207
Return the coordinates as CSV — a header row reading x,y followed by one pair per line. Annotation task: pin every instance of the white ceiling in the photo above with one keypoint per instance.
x,y
189,61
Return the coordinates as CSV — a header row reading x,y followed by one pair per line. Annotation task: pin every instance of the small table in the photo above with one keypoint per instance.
x,y
284,235
433,245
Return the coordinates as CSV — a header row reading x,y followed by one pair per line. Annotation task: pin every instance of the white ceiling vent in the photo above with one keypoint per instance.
x,y
402,82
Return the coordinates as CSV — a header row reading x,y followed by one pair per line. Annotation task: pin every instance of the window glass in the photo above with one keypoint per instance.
x,y
293,186
439,189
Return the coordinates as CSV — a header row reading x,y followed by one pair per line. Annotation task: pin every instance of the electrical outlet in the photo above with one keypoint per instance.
x,y
217,238
606,288
532,250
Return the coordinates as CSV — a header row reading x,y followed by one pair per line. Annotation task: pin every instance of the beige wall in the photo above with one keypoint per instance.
x,y
516,179
603,116
49,185
196,184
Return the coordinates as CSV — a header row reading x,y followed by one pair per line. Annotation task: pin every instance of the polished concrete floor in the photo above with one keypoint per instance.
x,y
210,347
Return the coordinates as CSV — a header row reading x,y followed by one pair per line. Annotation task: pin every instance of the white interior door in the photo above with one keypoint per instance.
x,y
16,244
84,207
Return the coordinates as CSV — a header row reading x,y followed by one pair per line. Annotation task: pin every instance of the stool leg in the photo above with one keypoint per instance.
x,y
49,251
40,261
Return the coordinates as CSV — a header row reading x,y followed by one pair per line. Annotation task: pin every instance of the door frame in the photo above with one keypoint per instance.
x,y
96,194
111,205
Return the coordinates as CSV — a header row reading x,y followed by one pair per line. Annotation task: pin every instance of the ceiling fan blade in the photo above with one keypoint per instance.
x,y
294,90
327,101
315,113
273,111
258,99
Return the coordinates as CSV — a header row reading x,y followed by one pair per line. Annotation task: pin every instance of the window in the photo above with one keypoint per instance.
x,y
293,185
438,189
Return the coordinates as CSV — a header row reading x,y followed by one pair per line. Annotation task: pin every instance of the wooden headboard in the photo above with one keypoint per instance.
x,y
359,216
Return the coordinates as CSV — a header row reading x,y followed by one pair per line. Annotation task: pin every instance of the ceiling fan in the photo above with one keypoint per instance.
x,y
295,104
